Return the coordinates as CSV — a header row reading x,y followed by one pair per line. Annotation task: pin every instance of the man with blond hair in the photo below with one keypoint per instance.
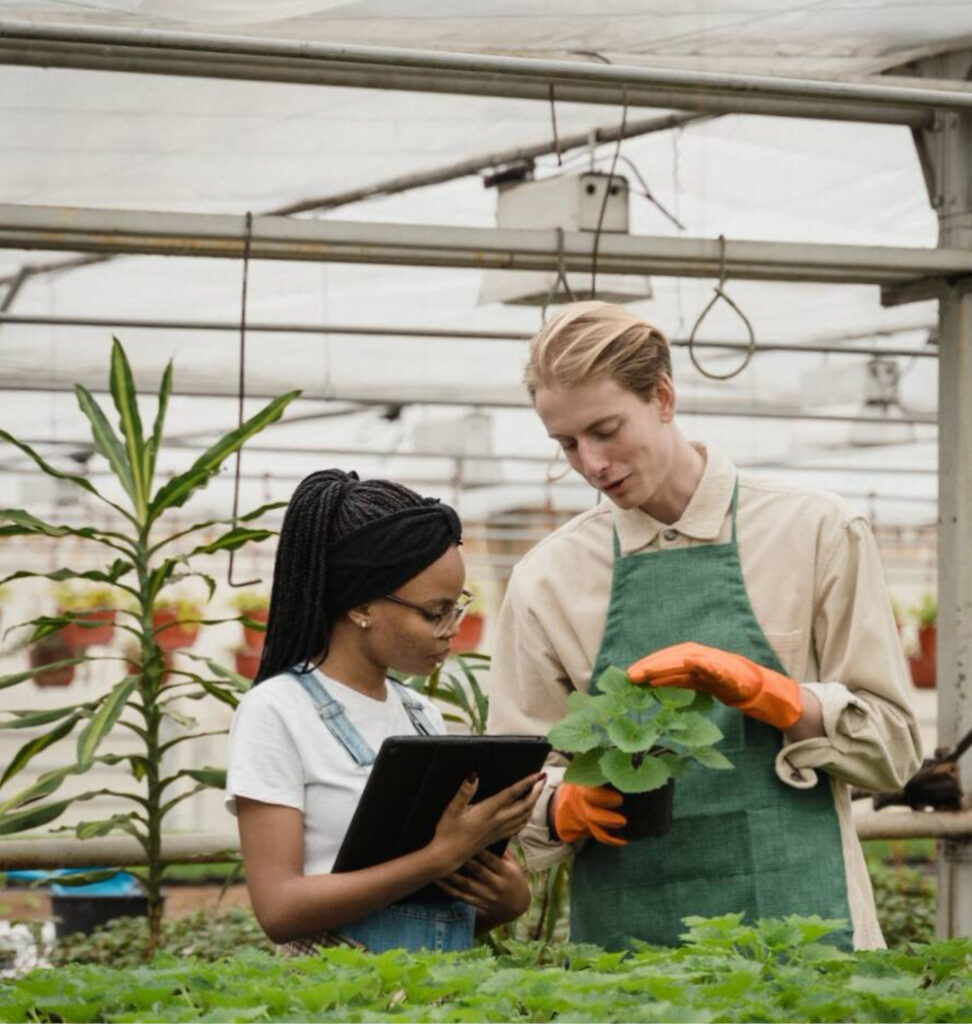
x,y
771,598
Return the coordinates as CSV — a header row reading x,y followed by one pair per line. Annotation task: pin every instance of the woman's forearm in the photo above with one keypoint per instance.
x,y
304,905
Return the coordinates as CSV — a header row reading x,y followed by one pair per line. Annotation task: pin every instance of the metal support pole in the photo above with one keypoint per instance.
x,y
282,238
946,156
371,67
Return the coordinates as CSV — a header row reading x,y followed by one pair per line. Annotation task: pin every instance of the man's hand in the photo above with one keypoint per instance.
x,y
738,682
579,812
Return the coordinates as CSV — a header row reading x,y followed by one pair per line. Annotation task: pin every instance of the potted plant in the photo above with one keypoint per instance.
x,y
470,631
247,661
637,739
145,554
92,614
176,622
253,607
923,665
54,651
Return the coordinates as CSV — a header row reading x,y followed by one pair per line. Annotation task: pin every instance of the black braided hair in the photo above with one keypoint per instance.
x,y
325,508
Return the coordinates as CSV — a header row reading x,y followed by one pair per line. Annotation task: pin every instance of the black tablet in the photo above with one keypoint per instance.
x,y
411,783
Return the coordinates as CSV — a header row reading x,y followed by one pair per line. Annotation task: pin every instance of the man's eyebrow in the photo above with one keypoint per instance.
x,y
594,425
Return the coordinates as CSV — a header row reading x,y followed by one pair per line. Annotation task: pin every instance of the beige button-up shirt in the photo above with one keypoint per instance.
x,y
816,585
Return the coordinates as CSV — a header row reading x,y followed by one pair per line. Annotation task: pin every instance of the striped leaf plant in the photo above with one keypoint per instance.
x,y
143,558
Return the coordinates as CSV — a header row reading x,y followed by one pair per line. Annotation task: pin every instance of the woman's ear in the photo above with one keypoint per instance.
x,y
361,616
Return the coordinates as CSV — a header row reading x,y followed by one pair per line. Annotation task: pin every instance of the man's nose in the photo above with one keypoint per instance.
x,y
593,463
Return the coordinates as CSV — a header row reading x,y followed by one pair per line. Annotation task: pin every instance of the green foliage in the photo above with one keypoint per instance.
x,y
636,737
134,582
455,683
775,970
926,611
122,941
905,900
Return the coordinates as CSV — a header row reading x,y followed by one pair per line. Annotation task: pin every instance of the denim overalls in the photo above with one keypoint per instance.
x,y
404,925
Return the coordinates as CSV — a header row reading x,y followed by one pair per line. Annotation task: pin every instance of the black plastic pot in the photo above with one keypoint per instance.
x,y
83,913
649,814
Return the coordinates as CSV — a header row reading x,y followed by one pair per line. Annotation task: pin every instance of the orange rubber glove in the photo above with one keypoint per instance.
x,y
582,811
756,691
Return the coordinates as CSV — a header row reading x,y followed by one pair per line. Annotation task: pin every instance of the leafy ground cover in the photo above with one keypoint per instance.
x,y
775,971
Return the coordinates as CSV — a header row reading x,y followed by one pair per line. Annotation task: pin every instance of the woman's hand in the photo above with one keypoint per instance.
x,y
465,829
495,886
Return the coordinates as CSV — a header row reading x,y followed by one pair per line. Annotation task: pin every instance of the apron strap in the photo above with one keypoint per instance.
x,y
414,709
332,714
735,506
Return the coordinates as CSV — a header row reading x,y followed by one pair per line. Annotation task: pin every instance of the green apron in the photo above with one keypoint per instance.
x,y
741,840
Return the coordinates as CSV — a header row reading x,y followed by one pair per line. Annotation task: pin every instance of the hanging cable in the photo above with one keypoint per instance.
x,y
560,279
720,293
247,238
553,125
607,193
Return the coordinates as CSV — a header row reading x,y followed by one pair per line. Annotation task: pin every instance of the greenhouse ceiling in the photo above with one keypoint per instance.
x,y
405,367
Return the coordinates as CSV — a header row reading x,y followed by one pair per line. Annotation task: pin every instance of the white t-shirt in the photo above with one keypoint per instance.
x,y
280,752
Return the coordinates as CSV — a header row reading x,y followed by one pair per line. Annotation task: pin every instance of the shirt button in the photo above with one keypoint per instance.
x,y
671,535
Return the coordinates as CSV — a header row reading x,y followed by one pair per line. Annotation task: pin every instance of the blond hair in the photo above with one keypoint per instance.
x,y
590,341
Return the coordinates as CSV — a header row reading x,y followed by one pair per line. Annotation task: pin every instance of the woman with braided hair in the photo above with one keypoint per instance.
x,y
368,577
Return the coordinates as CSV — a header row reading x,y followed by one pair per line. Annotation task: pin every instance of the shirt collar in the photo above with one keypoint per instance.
x,y
703,516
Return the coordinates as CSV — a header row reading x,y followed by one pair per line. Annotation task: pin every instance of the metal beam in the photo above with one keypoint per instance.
x,y
221,235
182,53
212,847
450,334
396,395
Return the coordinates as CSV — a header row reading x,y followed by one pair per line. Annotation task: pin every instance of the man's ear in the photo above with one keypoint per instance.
x,y
665,397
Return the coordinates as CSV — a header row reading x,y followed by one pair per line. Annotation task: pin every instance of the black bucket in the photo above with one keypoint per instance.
x,y
83,913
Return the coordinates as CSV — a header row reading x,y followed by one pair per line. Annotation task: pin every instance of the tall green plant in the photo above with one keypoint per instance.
x,y
142,566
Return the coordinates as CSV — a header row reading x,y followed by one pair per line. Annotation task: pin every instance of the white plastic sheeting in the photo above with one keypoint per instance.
x,y
104,139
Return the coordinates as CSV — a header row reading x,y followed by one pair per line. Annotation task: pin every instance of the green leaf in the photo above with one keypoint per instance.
x,y
195,528
125,396
617,766
118,569
30,719
105,439
614,680
154,445
95,829
712,758
104,718
585,770
177,491
697,730
31,524
20,821
232,540
631,736
46,784
238,682
576,733
79,481
677,764
30,749
674,696
219,692
83,877
215,778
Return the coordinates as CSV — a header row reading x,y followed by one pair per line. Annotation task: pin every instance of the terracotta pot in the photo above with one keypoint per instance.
x,y
649,814
253,638
927,640
173,637
923,673
79,637
248,662
470,632
46,652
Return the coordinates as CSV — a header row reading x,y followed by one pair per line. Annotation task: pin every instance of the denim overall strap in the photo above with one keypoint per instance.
x,y
332,714
414,709
741,840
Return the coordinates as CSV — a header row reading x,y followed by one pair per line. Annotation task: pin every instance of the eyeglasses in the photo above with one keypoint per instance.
x,y
443,622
